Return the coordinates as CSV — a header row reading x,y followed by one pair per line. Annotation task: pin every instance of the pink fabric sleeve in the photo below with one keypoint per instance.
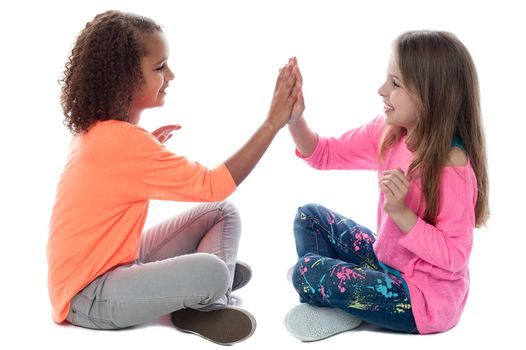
x,y
448,243
356,149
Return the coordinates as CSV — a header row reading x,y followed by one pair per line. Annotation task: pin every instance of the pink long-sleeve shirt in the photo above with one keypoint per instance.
x,y
433,259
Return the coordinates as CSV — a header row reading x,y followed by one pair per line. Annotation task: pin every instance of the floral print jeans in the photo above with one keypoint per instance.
x,y
337,267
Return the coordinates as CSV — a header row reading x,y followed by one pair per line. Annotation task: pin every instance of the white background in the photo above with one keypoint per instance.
x,y
226,55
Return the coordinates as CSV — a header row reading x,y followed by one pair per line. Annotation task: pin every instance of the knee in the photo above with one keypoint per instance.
x,y
228,207
308,210
214,275
302,268
305,259
230,211
306,213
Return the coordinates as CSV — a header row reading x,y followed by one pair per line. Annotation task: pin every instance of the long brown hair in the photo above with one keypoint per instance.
x,y
103,71
440,75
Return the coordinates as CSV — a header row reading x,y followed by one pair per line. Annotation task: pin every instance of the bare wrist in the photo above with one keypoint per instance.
x,y
404,218
271,126
295,121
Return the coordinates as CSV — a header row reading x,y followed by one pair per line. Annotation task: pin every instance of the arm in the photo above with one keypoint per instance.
x,y
241,163
304,138
172,177
446,244
356,149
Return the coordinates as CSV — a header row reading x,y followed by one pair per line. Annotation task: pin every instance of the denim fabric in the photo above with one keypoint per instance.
x,y
337,267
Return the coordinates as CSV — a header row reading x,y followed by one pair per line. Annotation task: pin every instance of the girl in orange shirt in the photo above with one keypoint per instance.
x,y
104,271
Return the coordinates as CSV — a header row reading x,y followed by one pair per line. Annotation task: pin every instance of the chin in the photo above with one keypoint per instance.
x,y
388,120
159,103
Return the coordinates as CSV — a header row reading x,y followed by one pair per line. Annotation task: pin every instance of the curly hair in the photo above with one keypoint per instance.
x,y
103,71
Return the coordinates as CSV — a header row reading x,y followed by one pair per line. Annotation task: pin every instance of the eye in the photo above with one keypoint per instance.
x,y
160,68
395,84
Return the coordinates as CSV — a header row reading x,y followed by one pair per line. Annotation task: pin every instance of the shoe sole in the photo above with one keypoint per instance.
x,y
222,326
310,323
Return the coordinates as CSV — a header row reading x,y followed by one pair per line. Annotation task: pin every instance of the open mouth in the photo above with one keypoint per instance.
x,y
388,108
163,90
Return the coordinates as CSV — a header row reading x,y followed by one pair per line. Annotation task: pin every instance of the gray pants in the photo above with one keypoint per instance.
x,y
185,261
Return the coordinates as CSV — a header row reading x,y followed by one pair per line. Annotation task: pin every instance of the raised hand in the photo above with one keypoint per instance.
x,y
299,105
241,163
164,133
285,94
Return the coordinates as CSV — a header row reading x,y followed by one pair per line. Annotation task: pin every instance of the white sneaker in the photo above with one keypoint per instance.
x,y
312,323
290,271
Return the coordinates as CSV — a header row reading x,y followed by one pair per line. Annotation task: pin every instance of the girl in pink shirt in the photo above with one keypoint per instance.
x,y
429,151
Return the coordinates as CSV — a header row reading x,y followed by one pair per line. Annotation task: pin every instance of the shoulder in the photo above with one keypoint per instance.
x,y
125,129
121,136
458,176
457,157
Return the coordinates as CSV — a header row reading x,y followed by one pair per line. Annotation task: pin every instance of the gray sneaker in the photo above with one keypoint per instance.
x,y
311,323
225,325
242,275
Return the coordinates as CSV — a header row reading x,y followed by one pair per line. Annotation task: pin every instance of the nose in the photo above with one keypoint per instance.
x,y
169,75
382,90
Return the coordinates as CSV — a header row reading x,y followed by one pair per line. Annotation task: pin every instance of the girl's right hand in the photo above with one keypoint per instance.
x,y
164,133
285,94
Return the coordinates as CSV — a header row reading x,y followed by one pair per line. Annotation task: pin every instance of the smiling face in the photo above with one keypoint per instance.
x,y
156,75
400,107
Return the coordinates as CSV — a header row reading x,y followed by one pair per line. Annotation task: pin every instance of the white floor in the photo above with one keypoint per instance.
x,y
484,322
476,327
490,317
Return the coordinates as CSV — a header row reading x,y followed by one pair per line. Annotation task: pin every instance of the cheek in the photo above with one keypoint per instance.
x,y
411,107
404,103
154,82
160,81
153,91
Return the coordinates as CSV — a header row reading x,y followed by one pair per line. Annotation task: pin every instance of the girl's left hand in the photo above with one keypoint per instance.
x,y
164,133
394,185
299,105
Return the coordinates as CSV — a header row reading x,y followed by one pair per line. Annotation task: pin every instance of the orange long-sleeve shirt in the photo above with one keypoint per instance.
x,y
102,201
